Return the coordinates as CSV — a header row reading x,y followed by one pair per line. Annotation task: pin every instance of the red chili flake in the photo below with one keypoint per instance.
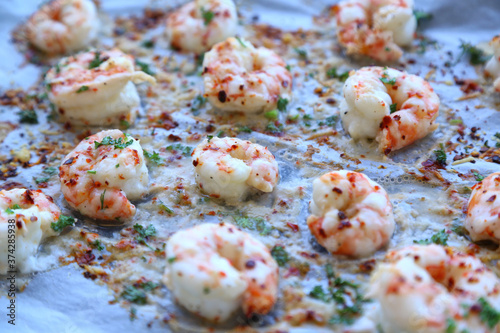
x,y
294,227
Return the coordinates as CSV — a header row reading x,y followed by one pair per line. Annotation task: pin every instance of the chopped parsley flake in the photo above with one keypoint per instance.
x,y
282,104
477,176
92,172
422,16
144,67
488,315
98,245
40,180
440,155
118,143
11,209
385,79
184,150
198,102
50,171
171,259
280,255
253,223
245,129
165,207
344,294
97,61
319,293
149,44
302,53
451,326
154,157
273,128
28,117
476,56
134,295
458,228
125,124
207,15
82,89
393,107
332,74
440,238
63,222
143,234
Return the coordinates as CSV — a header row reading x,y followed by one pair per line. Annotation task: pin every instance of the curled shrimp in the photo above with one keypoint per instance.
x,y
101,175
28,215
63,26
425,288
229,167
394,107
375,28
483,211
350,214
95,88
214,269
239,77
200,24
492,67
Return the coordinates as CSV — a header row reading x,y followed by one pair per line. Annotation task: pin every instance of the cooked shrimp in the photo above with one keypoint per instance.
x,y
200,24
63,26
375,28
239,77
27,214
101,175
350,214
229,167
424,288
492,67
95,88
483,211
213,269
393,107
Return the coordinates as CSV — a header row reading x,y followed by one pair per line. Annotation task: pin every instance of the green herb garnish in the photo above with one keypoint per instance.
x,y
149,44
207,15
28,117
422,16
63,222
82,89
97,61
477,176
476,56
393,107
282,104
332,74
118,143
153,157
185,150
488,315
197,103
144,67
440,155
302,53
440,238
143,234
280,255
